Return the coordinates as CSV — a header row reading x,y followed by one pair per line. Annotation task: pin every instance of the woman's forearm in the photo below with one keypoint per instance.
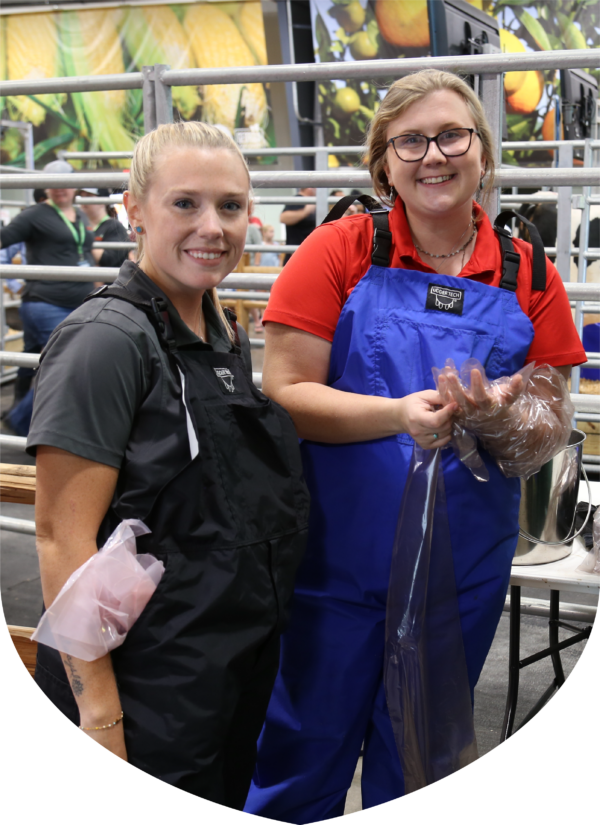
x,y
322,413
93,683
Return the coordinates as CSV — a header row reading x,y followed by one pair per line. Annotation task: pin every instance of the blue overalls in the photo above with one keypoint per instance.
x,y
329,696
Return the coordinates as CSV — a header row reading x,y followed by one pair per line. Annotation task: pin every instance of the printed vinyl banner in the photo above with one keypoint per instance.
x,y
371,29
116,40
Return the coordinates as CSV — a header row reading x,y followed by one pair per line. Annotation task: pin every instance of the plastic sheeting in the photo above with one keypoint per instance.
x,y
425,672
103,598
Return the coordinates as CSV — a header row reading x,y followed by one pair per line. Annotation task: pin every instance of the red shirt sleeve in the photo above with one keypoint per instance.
x,y
315,283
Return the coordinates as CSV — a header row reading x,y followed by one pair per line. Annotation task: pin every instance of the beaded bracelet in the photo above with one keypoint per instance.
x,y
104,727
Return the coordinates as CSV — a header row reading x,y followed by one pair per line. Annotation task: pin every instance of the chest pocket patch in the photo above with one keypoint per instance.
x,y
444,299
226,380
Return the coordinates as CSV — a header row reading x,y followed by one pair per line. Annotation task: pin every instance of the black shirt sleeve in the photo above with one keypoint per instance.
x,y
19,229
90,385
114,232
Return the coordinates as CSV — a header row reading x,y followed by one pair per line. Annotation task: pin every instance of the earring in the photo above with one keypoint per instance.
x,y
393,194
139,230
481,181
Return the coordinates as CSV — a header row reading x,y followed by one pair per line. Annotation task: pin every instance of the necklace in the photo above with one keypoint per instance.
x,y
451,254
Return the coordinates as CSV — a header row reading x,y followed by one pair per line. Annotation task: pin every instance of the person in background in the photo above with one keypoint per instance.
x,y
299,220
106,227
56,235
268,237
357,207
265,259
254,236
544,216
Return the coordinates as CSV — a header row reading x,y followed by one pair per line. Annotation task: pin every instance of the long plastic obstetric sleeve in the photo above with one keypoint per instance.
x,y
103,598
425,672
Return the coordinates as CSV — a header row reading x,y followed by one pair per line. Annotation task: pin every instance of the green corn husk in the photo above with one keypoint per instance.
x,y
3,73
91,46
30,49
155,35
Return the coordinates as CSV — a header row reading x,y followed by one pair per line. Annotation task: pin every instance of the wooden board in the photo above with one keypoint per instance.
x,y
17,483
26,649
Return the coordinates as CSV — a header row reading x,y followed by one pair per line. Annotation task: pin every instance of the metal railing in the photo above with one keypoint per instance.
x,y
156,82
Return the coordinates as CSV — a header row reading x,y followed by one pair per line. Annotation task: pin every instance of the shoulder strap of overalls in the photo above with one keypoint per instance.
x,y
157,311
511,258
382,237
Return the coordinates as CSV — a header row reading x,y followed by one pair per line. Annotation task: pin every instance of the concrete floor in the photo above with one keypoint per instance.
x,y
22,601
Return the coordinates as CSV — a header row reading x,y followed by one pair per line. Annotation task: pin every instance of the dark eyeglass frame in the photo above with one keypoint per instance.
x,y
434,140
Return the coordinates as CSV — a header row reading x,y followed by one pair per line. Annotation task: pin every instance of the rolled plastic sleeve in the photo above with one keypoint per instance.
x,y
103,598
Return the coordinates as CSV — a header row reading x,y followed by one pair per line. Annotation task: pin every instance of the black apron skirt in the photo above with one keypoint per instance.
x,y
196,670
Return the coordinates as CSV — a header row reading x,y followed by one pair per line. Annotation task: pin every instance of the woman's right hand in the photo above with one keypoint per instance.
x,y
425,418
113,739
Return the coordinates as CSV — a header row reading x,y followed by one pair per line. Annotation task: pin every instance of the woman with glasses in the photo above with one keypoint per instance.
x,y
355,324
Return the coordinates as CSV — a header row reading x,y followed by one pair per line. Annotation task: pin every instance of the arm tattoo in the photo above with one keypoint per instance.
x,y
75,679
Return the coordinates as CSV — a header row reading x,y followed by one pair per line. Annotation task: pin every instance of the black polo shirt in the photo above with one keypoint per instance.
x,y
105,386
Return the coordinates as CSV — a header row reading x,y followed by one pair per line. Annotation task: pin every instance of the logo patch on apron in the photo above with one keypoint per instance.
x,y
226,377
445,299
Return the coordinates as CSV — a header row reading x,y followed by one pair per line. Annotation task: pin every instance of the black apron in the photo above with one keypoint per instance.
x,y
196,670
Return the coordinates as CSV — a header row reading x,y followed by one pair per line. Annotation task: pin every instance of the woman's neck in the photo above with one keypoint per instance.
x,y
446,243
68,210
441,234
187,303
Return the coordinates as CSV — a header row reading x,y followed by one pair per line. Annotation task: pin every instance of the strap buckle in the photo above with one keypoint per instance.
x,y
382,241
510,270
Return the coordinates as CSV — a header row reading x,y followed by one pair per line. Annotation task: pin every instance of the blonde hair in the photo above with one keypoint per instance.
x,y
402,94
150,147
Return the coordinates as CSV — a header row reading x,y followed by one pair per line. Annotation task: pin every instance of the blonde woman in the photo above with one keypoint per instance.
x,y
353,329
145,409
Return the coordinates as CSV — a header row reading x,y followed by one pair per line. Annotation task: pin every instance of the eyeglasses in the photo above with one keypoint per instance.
x,y
452,143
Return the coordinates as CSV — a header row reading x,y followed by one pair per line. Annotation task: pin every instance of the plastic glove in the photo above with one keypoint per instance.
x,y
522,420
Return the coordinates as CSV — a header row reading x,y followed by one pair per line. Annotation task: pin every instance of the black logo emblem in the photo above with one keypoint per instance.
x,y
445,299
226,377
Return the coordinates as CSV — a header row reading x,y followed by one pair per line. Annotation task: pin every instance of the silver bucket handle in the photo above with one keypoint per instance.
x,y
569,539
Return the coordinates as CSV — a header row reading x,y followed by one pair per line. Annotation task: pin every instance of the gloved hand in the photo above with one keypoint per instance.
x,y
522,420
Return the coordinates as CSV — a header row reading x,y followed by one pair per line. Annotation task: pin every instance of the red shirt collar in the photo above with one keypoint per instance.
x,y
485,260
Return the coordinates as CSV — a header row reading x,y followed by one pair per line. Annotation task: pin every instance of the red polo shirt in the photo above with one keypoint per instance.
x,y
314,285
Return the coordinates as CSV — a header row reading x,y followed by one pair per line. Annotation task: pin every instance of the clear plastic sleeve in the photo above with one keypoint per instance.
x,y
425,671
103,598
591,563
522,421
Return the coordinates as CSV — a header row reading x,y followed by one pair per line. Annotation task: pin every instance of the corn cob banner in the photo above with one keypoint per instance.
x,y
370,29
123,39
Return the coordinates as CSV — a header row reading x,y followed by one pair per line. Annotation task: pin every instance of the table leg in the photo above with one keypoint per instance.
x,y
514,653
553,624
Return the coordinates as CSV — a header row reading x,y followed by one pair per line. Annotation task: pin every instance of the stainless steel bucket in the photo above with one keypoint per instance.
x,y
548,504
